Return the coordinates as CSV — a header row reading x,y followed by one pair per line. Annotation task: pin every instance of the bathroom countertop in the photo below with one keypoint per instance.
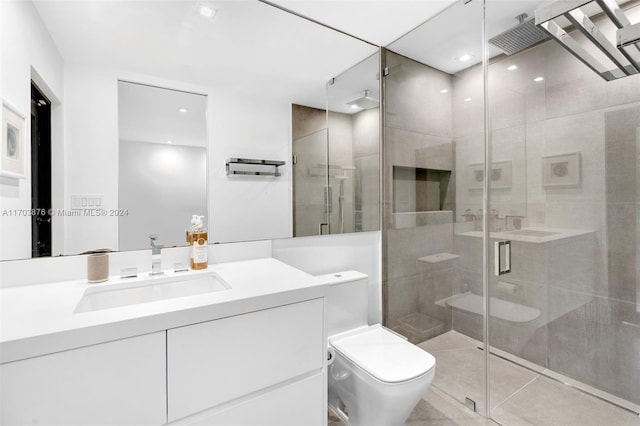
x,y
39,319
555,234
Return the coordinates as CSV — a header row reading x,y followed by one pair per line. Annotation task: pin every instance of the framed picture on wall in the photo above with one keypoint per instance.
x,y
12,157
561,171
500,175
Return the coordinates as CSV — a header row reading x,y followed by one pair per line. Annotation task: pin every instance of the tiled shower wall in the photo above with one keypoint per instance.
x,y
418,134
353,145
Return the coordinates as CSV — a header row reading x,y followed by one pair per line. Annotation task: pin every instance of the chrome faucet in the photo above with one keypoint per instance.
x,y
156,255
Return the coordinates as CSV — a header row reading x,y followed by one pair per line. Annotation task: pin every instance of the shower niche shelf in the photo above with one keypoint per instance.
x,y
253,167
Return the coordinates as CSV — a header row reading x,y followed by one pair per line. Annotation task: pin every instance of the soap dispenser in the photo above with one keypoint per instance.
x,y
197,238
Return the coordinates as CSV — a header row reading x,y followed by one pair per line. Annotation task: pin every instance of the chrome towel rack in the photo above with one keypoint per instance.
x,y
253,167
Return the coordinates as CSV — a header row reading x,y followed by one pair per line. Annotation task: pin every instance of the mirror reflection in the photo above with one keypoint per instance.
x,y
162,163
336,154
245,64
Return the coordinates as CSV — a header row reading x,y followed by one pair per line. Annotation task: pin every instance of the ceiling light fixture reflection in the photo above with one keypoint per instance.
x,y
464,58
538,79
467,99
207,11
169,142
512,67
444,91
183,110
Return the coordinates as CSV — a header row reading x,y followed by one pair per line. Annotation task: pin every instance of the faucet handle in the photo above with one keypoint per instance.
x,y
155,248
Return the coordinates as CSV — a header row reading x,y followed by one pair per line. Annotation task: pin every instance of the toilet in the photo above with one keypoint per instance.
x,y
375,376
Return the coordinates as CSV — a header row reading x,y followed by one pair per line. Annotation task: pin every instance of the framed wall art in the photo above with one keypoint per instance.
x,y
561,171
12,157
500,175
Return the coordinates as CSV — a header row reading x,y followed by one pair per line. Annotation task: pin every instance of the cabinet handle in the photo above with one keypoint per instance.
x,y
320,225
497,258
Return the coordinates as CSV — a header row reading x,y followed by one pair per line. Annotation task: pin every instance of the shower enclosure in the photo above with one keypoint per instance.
x,y
511,212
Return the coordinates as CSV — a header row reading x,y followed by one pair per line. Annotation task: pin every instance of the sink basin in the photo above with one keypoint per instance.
x,y
532,233
148,290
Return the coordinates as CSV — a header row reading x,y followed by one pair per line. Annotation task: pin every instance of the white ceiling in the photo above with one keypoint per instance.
x,y
458,31
249,47
258,50
378,21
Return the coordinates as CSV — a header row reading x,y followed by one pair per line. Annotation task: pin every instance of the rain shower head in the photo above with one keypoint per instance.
x,y
518,38
365,102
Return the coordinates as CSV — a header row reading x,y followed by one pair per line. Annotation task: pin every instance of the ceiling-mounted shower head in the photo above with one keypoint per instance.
x,y
365,102
518,38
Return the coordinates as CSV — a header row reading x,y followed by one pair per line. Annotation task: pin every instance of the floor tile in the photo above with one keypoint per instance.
x,y
448,341
460,374
438,409
547,402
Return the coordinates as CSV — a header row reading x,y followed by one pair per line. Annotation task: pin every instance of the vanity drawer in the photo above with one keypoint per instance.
x,y
115,383
214,362
281,407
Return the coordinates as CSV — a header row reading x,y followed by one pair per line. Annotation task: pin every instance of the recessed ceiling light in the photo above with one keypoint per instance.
x,y
183,110
168,142
538,79
467,99
354,106
207,11
444,91
512,67
464,58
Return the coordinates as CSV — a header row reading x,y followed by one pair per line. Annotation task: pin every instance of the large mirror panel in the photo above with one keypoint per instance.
x,y
243,60
162,163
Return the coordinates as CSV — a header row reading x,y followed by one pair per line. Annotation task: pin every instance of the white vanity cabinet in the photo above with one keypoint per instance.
x,y
115,383
263,367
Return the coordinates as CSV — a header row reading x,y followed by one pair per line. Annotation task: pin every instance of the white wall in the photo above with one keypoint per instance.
x,y
339,252
248,127
27,51
161,186
91,153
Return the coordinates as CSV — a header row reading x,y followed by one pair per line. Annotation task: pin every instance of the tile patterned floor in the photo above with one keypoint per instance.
x,y
519,396
437,409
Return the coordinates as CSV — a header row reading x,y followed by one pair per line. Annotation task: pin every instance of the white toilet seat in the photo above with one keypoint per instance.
x,y
383,355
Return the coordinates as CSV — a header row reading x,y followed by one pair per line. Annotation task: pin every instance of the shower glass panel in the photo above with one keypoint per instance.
x,y
353,184
433,199
567,196
310,178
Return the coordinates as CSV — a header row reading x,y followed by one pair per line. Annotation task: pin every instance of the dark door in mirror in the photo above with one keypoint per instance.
x,y
40,173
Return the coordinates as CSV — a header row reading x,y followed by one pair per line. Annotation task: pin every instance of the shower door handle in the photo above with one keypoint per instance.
x,y
499,248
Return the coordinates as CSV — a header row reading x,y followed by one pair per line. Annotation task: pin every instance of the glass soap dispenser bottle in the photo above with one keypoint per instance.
x,y
197,239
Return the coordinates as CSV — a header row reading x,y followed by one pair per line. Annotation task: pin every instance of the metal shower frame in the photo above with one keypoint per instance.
x,y
625,53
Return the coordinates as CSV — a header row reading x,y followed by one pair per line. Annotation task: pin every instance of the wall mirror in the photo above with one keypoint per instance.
x,y
162,158
243,61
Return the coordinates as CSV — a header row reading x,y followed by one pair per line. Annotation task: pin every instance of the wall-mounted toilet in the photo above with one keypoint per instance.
x,y
376,377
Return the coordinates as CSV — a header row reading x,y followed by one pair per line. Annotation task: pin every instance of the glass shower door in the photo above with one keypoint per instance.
x,y
433,198
353,102
310,215
565,192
